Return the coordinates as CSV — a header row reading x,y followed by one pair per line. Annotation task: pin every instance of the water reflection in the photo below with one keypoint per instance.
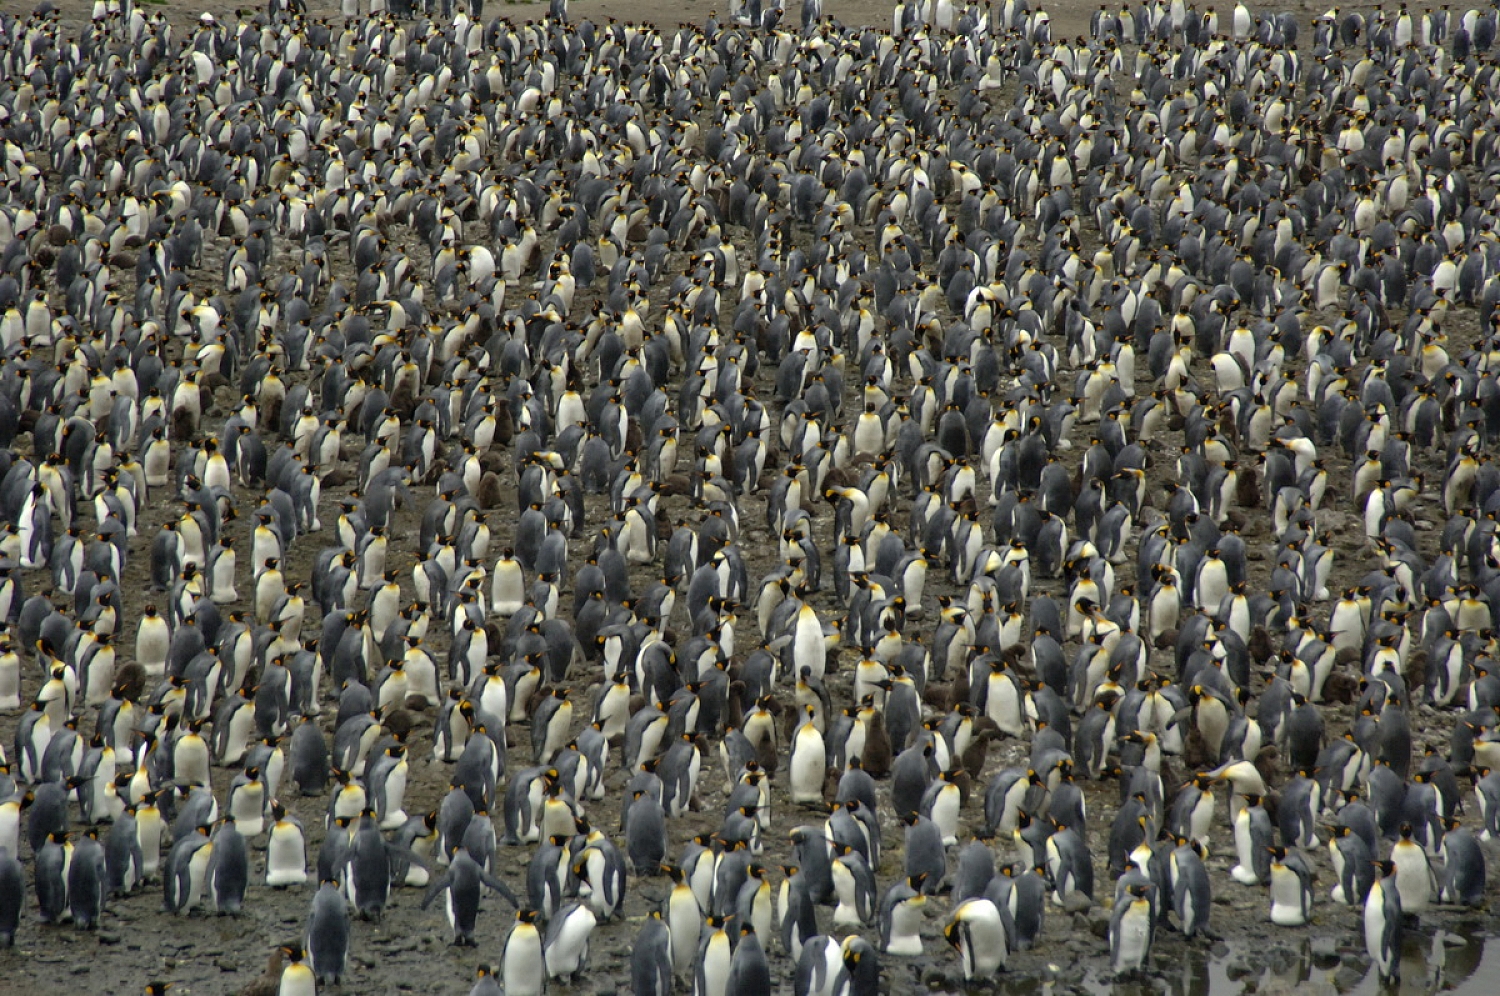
x,y
1464,962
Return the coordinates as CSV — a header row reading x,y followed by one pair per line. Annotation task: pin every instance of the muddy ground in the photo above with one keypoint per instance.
x,y
408,950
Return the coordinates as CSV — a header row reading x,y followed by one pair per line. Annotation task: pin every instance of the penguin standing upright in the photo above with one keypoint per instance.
x,y
1353,866
462,882
12,897
809,765
715,954
650,958
297,977
88,884
901,918
1382,922
566,945
749,971
1464,873
327,935
186,874
1192,896
1412,876
1253,837
1132,927
1291,888
286,850
523,967
228,869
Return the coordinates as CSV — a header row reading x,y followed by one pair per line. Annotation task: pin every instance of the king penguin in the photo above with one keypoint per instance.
x,y
1132,926
462,881
650,959
901,918
523,967
12,897
297,977
1412,877
327,936
286,849
809,763
977,931
1291,888
749,971
1382,922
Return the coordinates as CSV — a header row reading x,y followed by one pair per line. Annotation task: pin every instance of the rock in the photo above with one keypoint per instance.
x,y
1077,902
1096,922
1323,946
1347,977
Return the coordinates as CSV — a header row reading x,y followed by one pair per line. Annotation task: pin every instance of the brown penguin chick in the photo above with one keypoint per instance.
x,y
490,493
403,401
1267,762
505,423
876,757
398,723
130,682
1166,639
542,691
1349,657
677,484
494,633
1416,669
977,753
836,479
269,981
1171,781
831,788
734,707
1341,688
337,477
494,462
183,425
1195,751
960,686
1260,647
960,777
938,695
767,756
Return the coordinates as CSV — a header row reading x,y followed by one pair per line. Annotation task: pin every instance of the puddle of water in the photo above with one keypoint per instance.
x,y
1463,963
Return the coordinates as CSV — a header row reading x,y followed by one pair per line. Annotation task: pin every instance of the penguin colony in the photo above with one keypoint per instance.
x,y
876,436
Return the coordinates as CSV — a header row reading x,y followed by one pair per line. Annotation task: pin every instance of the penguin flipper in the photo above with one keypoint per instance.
x,y
437,886
499,887
406,854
